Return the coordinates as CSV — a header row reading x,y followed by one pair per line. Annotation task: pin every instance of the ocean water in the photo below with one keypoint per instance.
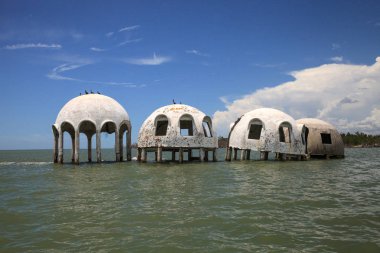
x,y
250,206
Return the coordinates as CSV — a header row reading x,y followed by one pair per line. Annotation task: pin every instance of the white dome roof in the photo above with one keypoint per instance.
x,y
316,123
91,107
271,119
173,138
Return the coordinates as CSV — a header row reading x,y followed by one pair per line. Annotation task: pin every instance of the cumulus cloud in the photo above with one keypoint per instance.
x,y
155,60
345,95
32,45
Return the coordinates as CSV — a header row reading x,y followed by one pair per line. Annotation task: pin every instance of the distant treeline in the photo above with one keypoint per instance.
x,y
360,139
350,140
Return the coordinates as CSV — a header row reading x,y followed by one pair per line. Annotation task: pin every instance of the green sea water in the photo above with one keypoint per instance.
x,y
250,206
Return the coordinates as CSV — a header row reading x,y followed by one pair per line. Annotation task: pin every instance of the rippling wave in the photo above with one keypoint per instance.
x,y
249,206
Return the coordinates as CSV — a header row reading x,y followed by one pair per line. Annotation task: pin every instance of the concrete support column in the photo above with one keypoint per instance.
x,y
214,155
263,155
159,154
248,154
202,154
89,147
60,147
76,153
117,145
139,154
283,157
243,153
143,155
55,149
98,147
228,154
180,155
235,153
72,148
173,156
121,149
206,155
155,156
129,144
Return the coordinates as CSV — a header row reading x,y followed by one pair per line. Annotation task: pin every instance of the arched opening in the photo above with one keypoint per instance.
x,y
254,129
207,126
285,132
68,128
186,125
161,123
88,128
109,140
125,131
55,145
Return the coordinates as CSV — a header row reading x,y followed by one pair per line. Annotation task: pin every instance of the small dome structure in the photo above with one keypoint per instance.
x,y
177,128
266,130
91,114
322,138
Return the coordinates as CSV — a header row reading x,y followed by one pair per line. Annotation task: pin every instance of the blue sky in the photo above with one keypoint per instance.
x,y
223,57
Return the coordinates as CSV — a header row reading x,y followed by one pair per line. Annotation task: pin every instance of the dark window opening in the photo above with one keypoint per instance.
x,y
326,138
284,132
207,129
161,128
255,131
186,127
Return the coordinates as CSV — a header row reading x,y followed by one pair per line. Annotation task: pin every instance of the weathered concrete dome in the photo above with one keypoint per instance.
x,y
91,114
267,130
92,107
177,125
323,139
177,128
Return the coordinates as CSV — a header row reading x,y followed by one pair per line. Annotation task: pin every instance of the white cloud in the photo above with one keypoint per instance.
x,y
155,60
129,28
345,95
337,58
32,45
96,49
129,41
196,52
57,73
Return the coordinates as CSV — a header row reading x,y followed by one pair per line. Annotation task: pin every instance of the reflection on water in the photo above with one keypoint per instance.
x,y
313,206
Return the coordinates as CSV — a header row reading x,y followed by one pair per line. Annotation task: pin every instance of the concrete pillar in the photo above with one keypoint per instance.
x,y
121,149
89,147
129,144
263,155
235,153
72,148
283,157
139,154
214,155
206,155
117,145
243,154
143,155
228,154
248,154
173,156
202,154
98,147
55,149
159,154
180,155
60,147
76,153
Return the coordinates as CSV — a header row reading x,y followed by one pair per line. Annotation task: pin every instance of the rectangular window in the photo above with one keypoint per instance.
x,y
254,132
326,138
206,129
186,127
161,128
